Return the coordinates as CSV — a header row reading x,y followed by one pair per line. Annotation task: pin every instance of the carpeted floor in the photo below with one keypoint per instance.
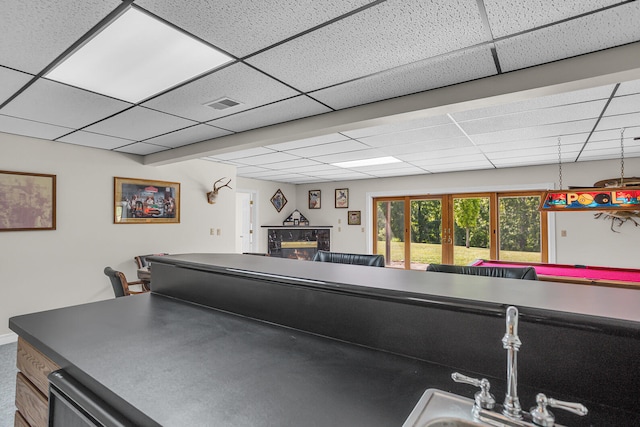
x,y
7,383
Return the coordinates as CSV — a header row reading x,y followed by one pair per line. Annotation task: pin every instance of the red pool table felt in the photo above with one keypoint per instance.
x,y
593,274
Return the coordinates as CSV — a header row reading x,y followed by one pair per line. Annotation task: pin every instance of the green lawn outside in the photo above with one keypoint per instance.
x,y
424,253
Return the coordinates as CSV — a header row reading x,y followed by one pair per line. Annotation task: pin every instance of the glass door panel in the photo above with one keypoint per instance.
x,y
471,229
519,228
390,236
425,233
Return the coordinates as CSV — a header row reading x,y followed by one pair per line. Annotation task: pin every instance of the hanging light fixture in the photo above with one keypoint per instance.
x,y
620,196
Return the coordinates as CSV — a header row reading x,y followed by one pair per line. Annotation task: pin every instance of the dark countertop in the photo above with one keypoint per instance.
x,y
182,364
605,302
159,358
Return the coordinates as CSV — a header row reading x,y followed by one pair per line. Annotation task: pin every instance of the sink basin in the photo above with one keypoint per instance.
x,y
437,408
450,422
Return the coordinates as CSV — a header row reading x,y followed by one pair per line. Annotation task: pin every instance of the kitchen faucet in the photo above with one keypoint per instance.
x,y
512,413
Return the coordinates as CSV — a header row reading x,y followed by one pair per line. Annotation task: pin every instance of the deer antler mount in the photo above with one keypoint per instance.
x,y
211,195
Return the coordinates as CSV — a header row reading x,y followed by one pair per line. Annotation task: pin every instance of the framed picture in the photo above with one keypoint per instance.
x,y
353,218
142,201
27,201
342,198
314,199
278,200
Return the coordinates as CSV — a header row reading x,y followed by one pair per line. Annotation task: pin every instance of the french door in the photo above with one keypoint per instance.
x,y
414,231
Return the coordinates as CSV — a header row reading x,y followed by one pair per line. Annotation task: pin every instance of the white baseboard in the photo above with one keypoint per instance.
x,y
8,338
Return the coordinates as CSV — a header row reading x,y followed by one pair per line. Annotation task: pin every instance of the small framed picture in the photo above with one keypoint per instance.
x,y
353,218
342,198
278,200
314,199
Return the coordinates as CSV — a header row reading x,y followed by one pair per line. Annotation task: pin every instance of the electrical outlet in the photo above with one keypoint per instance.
x,y
212,231
218,231
563,233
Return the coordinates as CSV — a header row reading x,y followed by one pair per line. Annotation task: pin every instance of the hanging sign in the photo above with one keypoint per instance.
x,y
592,199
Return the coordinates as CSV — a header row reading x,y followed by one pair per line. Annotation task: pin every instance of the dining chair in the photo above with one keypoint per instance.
x,y
121,285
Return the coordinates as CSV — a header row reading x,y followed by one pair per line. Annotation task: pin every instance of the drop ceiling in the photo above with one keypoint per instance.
x,y
442,85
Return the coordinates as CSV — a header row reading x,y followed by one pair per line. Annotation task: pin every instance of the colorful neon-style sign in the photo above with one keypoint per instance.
x,y
589,199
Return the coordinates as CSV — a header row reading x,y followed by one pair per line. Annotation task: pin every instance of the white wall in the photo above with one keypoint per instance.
x,y
41,270
588,241
266,214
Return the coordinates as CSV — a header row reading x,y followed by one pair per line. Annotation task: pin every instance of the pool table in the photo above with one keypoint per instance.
x,y
568,273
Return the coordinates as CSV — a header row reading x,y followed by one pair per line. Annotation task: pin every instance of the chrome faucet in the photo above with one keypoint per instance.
x,y
512,413
511,342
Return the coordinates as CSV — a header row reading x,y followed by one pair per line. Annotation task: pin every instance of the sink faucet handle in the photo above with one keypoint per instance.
x,y
543,417
483,398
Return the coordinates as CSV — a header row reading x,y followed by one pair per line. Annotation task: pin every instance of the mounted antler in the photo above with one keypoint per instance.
x,y
211,195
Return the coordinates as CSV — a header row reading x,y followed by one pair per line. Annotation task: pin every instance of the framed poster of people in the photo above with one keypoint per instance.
x,y
143,201
27,201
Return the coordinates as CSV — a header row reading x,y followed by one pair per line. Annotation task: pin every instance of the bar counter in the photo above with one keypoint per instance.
x,y
232,340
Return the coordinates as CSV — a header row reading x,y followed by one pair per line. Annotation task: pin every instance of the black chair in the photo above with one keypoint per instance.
x,y
121,285
526,273
342,258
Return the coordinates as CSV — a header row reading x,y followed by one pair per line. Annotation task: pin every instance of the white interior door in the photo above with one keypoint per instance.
x,y
245,241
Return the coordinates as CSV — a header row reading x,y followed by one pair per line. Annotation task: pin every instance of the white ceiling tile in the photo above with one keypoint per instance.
x,y
374,40
139,123
239,155
568,152
250,169
627,88
567,98
399,172
458,167
289,109
239,82
524,144
444,70
388,167
232,24
424,135
623,105
298,165
95,140
51,102
429,155
429,149
399,126
320,167
524,161
266,159
468,158
308,142
30,128
187,136
618,122
54,26
547,116
513,16
141,148
553,130
340,172
11,81
331,148
614,134
350,155
612,27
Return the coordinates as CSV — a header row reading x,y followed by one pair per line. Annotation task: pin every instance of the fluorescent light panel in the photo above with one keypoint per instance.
x,y
135,57
367,162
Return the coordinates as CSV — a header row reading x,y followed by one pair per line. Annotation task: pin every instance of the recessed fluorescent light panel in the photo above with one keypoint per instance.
x,y
367,162
136,56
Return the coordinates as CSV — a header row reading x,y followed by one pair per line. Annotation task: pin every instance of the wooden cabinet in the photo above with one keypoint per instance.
x,y
32,386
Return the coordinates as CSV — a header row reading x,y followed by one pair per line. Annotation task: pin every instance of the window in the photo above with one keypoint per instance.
x,y
414,231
